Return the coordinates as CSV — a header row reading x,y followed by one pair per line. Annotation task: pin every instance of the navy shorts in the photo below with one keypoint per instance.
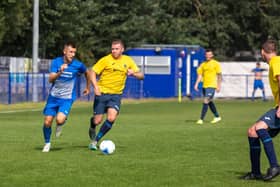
x,y
208,92
105,101
272,122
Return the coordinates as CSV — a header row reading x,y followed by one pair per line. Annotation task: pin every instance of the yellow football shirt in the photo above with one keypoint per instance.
x,y
113,73
209,70
274,70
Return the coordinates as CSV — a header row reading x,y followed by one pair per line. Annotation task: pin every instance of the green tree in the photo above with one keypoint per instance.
x,y
226,26
16,25
65,20
269,19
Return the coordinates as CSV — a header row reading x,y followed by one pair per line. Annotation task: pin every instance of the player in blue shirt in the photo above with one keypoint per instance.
x,y
63,74
258,83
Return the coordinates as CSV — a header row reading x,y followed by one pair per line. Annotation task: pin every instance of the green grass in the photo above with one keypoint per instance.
x,y
157,144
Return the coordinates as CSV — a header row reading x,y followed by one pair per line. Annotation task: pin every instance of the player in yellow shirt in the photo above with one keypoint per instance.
x,y
211,74
112,71
268,126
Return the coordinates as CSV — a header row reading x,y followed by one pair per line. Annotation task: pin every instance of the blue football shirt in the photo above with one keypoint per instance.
x,y
64,86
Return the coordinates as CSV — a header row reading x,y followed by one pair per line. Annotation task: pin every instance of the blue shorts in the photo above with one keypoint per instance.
x,y
272,122
55,105
258,84
208,92
105,101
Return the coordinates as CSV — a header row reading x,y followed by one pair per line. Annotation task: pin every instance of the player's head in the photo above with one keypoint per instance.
x,y
209,54
258,64
117,48
269,49
69,51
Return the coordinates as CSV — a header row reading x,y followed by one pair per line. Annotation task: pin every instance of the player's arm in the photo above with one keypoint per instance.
x,y
54,75
219,79
93,80
87,89
133,70
199,73
198,80
278,109
139,75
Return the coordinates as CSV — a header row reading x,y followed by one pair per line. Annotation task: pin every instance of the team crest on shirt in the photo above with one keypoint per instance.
x,y
124,65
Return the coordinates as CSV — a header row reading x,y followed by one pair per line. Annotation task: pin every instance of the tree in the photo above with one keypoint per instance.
x,y
16,30
226,26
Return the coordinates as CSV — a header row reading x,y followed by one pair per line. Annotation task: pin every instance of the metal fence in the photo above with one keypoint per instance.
x,y
29,87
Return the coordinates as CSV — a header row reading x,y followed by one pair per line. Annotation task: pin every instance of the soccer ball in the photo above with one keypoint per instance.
x,y
107,147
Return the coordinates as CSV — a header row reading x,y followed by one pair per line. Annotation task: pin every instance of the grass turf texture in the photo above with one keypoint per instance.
x,y
157,144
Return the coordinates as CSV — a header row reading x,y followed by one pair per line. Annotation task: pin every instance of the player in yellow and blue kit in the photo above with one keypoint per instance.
x,y
211,74
268,126
64,71
112,71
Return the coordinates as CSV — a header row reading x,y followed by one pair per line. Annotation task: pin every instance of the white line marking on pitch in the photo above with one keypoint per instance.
x,y
15,111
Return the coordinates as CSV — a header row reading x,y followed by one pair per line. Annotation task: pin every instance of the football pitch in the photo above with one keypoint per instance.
x,y
157,142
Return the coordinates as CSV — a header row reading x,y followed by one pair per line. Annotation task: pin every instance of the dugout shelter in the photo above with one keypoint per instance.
x,y
170,71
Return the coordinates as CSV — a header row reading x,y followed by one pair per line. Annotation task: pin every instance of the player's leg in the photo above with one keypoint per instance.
x,y
214,110
253,95
262,89
108,123
267,127
204,107
92,128
210,92
255,153
254,90
94,121
63,111
274,169
47,131
49,112
113,105
263,93
99,108
60,120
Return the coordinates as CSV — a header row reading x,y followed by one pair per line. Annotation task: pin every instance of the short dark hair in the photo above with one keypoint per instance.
x,y
270,46
70,43
118,41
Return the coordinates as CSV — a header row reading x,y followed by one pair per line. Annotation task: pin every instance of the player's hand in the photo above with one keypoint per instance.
x,y
86,91
97,91
63,67
196,88
130,72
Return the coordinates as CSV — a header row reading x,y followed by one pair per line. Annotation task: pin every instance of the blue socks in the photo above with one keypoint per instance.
x,y
107,125
255,153
47,131
268,147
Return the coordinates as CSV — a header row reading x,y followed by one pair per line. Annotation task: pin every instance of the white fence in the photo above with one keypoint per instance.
x,y
238,80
